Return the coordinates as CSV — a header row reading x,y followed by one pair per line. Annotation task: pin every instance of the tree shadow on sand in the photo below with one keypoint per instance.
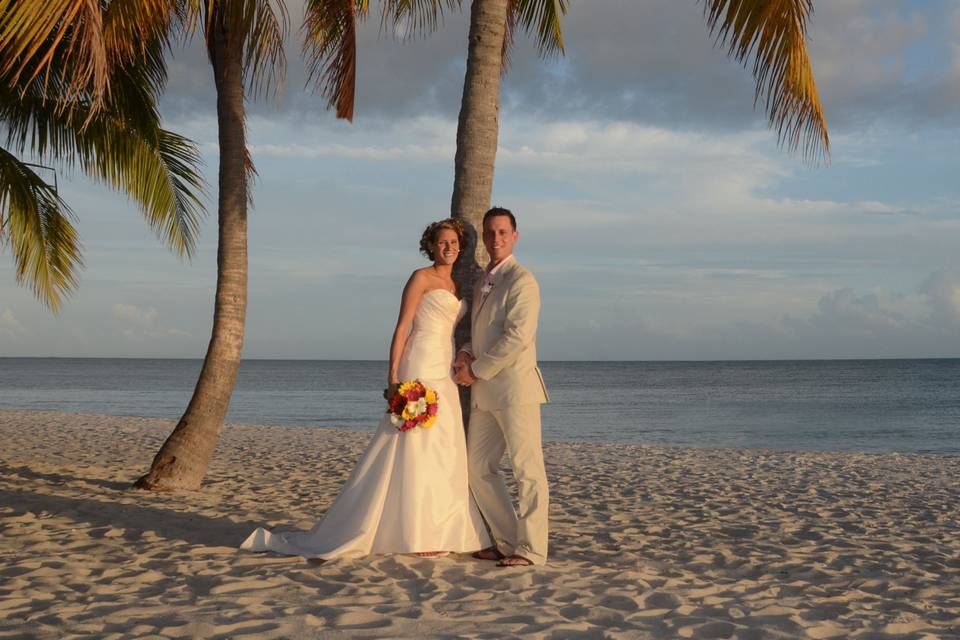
x,y
134,519
61,479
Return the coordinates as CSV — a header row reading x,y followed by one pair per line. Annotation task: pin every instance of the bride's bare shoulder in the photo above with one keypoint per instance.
x,y
421,275
418,281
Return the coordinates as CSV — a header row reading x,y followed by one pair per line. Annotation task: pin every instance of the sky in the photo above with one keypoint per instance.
x,y
654,206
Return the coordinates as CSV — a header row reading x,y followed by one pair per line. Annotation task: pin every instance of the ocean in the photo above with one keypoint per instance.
x,y
802,405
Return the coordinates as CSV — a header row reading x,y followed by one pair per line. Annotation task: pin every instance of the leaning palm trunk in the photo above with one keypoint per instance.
x,y
183,460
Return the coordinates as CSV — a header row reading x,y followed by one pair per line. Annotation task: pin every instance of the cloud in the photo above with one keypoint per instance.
x,y
650,63
142,322
926,320
10,327
843,310
942,289
709,318
135,315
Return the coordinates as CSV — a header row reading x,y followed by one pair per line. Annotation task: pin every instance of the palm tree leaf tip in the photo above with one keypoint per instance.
x,y
264,58
542,19
330,50
774,32
414,17
36,223
330,40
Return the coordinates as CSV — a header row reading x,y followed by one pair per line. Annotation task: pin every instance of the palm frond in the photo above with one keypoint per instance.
x,y
32,33
413,17
123,146
774,33
252,174
509,34
265,28
35,222
542,18
156,169
35,124
330,49
137,34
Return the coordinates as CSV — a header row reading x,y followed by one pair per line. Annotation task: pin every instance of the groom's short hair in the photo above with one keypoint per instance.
x,y
500,211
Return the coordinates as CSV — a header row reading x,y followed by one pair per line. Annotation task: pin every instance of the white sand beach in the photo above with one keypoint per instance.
x,y
645,543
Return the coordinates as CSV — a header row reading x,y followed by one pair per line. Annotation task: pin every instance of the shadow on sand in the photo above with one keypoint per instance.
x,y
133,519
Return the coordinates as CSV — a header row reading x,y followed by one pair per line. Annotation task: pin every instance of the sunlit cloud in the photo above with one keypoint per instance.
x,y
10,327
143,322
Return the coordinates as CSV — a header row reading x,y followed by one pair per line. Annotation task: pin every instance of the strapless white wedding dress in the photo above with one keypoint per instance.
x,y
408,492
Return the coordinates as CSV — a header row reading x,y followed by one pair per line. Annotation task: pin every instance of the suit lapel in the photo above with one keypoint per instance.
x,y
475,310
498,280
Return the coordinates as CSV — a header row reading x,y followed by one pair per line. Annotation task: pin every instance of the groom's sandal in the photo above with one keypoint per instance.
x,y
514,561
490,553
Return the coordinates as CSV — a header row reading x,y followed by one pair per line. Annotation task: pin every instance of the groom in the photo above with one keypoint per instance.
x,y
500,366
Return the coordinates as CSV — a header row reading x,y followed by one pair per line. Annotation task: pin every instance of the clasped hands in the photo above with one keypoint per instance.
x,y
462,372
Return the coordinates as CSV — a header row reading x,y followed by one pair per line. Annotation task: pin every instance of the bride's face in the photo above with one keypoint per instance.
x,y
446,247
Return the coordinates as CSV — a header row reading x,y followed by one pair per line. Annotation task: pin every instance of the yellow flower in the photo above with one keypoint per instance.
x,y
426,424
431,396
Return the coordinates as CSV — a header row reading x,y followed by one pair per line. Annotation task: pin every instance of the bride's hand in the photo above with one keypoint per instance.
x,y
391,390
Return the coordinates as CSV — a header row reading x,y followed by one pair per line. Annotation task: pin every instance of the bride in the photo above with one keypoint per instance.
x,y
408,492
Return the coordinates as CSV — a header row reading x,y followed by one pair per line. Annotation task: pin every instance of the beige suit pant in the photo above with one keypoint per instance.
x,y
515,431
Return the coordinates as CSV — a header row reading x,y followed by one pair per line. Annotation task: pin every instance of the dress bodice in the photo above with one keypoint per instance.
x,y
428,354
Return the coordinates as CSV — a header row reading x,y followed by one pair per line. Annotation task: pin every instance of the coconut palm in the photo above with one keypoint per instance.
x,y
245,44
116,139
244,40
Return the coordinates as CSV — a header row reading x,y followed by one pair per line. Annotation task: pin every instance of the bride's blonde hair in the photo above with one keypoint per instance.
x,y
433,229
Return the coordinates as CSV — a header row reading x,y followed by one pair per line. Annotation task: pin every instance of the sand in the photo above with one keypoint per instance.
x,y
647,542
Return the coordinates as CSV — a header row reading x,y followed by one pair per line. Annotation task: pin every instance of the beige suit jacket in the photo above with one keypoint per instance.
x,y
504,341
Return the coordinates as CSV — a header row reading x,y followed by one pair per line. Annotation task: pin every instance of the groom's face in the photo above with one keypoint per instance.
x,y
499,237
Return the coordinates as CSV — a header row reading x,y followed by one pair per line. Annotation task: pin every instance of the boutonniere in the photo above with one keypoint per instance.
x,y
485,289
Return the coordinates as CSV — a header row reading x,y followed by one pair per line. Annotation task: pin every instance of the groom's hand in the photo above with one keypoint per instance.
x,y
464,375
463,359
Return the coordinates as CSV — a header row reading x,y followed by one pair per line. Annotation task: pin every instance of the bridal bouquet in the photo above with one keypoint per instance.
x,y
413,405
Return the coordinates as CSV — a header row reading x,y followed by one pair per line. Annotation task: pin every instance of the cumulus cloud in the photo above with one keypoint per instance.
x,y
135,315
9,325
942,290
845,312
925,321
718,319
142,322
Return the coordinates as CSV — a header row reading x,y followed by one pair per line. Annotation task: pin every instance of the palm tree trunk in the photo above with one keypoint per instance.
x,y
184,458
478,126
477,131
